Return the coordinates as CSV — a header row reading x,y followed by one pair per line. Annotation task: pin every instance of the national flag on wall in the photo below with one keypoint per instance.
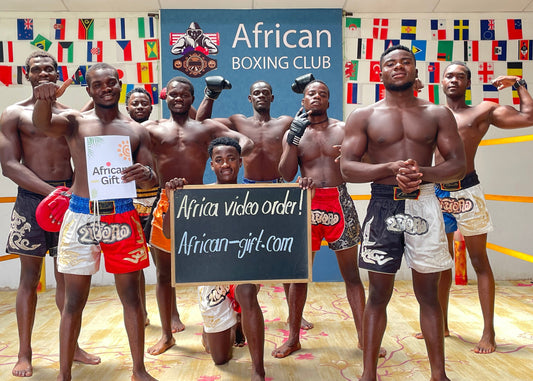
x,y
365,47
444,50
380,29
379,92
20,75
418,47
514,29
350,70
490,93
63,73
146,27
515,68
121,70
25,29
460,29
126,88
117,28
487,31
86,29
525,50
95,51
145,72
438,29
389,43
65,51
6,51
351,93
353,27
58,29
499,50
124,50
434,72
6,75
151,49
408,29
375,70
468,96
471,50
41,42
433,94
485,72
79,76
153,89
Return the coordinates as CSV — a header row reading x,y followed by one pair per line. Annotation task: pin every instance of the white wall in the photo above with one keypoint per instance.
x,y
503,169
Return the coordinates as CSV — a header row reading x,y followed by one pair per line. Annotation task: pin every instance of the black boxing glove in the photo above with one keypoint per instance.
x,y
215,85
299,83
297,129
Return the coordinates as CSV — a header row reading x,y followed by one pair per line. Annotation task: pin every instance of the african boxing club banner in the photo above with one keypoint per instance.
x,y
243,46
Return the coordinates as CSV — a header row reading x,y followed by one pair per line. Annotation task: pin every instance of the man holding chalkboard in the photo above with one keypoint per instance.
x,y
179,148
309,144
261,165
216,305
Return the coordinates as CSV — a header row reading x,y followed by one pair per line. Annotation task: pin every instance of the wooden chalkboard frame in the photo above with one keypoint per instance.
x,y
291,201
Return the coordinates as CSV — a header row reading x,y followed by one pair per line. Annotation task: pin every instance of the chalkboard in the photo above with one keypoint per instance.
x,y
251,233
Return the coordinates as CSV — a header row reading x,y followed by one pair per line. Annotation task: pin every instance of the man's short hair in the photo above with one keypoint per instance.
x,y
223,141
463,64
260,81
140,90
100,66
396,47
182,80
39,53
316,81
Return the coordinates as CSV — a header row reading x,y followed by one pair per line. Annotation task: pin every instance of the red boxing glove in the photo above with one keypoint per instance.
x,y
52,208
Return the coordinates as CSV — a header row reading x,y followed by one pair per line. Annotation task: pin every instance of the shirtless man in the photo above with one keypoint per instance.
x,y
473,123
216,304
398,136
37,164
261,165
179,148
127,254
309,144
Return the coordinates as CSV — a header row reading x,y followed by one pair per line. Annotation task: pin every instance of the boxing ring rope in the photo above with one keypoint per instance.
x,y
491,197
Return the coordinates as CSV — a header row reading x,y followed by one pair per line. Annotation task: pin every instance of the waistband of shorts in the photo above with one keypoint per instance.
x,y
330,191
147,193
279,180
385,191
470,180
105,207
54,183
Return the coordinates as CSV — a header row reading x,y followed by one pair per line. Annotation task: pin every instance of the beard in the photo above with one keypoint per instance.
x,y
403,87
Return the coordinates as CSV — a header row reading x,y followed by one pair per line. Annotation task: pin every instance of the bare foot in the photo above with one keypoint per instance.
x,y
86,358
420,336
257,377
285,350
305,325
486,345
22,368
176,324
142,376
161,346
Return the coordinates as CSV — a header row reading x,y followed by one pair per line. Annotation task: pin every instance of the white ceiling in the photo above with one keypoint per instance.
x,y
354,6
